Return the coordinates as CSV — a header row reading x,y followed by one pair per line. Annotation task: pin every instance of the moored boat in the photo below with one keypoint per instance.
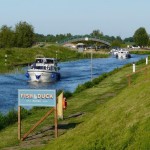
x,y
44,70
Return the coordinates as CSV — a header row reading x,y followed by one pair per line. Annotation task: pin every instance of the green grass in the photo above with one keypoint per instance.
x,y
114,116
122,122
140,51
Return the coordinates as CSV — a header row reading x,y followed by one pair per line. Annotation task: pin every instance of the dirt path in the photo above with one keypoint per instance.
x,y
46,134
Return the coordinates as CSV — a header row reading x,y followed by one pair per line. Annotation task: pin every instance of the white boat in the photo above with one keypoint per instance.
x,y
123,54
44,70
114,51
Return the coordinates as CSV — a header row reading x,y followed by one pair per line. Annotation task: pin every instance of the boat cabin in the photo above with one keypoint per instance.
x,y
45,64
46,60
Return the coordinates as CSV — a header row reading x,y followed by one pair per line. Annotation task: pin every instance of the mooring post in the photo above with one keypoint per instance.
x,y
146,60
5,59
133,67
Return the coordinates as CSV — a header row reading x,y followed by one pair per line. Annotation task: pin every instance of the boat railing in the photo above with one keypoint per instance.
x,y
51,67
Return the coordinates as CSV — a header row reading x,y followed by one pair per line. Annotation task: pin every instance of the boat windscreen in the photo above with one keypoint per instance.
x,y
38,67
50,61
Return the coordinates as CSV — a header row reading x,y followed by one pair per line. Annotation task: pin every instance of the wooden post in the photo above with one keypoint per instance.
x,y
40,121
19,122
56,122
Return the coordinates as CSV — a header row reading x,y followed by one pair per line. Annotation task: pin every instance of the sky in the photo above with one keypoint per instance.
x,y
78,17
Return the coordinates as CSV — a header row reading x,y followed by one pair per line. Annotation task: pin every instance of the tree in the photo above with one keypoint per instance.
x,y
141,37
148,42
24,34
116,43
96,33
119,38
39,37
129,39
6,37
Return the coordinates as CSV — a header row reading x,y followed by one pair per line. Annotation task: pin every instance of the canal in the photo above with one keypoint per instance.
x,y
72,74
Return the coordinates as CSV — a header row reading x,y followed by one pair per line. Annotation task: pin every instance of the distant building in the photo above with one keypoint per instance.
x,y
81,47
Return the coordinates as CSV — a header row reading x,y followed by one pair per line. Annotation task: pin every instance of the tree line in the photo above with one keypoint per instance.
x,y
64,37
23,36
140,38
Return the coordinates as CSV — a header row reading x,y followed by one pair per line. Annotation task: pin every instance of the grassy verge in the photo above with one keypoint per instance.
x,y
109,115
118,118
122,123
140,51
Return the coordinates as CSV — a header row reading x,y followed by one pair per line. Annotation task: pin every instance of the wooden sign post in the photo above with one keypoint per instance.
x,y
19,123
37,98
56,122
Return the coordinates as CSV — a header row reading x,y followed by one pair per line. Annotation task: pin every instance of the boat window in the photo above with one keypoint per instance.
x,y
39,67
39,61
50,61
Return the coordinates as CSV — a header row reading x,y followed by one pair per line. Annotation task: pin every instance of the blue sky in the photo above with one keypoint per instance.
x,y
112,17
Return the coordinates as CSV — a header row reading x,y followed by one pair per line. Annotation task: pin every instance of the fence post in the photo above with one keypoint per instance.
x,y
134,67
19,123
146,60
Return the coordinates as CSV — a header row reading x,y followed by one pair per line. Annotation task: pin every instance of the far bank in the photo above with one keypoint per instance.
x,y
12,57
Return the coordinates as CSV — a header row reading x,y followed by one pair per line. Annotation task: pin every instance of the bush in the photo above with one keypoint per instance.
x,y
2,121
67,94
12,117
95,81
88,84
79,88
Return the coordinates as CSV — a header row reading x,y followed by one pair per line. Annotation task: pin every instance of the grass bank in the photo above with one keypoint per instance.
x,y
116,116
140,51
121,123
109,115
24,56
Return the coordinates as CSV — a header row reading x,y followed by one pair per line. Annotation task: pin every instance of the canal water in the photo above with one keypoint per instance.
x,y
72,74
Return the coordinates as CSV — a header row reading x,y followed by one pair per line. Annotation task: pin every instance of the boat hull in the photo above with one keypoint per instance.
x,y
123,55
43,76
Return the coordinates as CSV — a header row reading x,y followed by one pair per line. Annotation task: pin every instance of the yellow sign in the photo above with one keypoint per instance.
x,y
60,106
